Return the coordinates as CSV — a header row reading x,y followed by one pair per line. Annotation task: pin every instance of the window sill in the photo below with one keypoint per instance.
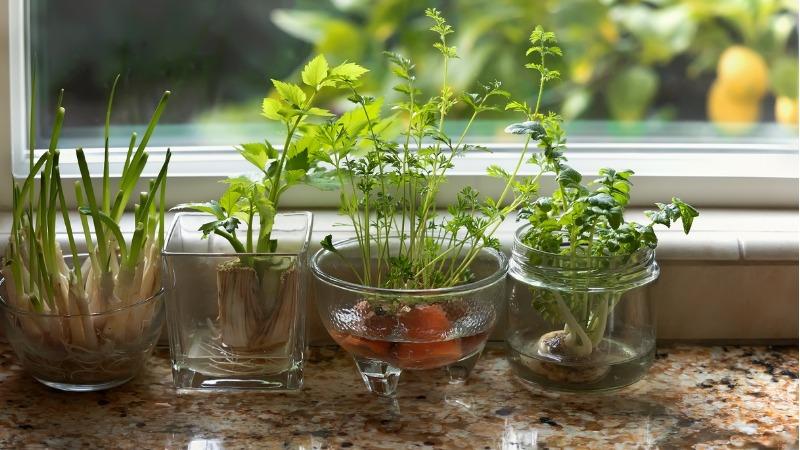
x,y
745,235
758,176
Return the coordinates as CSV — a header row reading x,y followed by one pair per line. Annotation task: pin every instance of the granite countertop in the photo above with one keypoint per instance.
x,y
709,397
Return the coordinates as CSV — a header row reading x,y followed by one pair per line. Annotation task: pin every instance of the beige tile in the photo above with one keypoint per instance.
x,y
706,301
769,246
698,246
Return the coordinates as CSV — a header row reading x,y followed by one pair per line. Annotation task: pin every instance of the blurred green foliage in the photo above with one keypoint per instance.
x,y
623,60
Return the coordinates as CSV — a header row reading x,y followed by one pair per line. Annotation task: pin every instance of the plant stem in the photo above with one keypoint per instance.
x,y
106,193
585,346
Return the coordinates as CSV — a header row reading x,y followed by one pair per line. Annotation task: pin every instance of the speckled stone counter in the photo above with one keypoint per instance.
x,y
707,397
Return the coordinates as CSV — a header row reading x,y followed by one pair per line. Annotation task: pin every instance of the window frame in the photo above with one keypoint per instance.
x,y
742,174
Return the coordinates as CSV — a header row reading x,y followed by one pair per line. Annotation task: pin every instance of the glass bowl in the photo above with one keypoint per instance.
x,y
83,352
391,330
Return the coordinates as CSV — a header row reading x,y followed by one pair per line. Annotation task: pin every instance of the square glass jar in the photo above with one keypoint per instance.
x,y
236,320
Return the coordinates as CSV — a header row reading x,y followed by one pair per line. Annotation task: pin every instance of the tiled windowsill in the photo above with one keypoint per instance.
x,y
744,235
733,279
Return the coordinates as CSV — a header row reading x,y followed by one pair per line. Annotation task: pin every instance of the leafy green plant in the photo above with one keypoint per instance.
x,y
118,272
581,229
389,186
256,198
252,203
585,236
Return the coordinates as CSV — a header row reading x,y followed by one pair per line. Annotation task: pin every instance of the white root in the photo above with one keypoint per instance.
x,y
80,307
240,311
278,329
255,316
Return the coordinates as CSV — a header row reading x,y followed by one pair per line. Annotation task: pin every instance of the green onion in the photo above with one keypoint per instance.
x,y
39,277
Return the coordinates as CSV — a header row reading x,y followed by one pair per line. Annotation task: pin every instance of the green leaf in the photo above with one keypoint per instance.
x,y
292,177
518,106
110,224
535,129
497,172
257,153
348,71
569,177
271,109
471,99
291,93
229,200
327,244
229,225
213,207
660,217
615,218
319,112
308,144
649,236
602,200
448,51
688,213
241,184
298,161
356,119
315,71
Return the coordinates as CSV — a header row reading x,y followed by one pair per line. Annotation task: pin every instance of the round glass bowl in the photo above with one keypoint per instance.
x,y
391,330
83,352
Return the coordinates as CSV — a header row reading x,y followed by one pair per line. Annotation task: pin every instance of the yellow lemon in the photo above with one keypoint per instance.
x,y
731,113
786,111
743,73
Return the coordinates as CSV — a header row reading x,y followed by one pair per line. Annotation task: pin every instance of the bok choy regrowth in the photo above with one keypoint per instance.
x,y
256,298
117,273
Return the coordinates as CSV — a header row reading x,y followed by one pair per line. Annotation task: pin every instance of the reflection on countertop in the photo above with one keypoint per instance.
x,y
717,396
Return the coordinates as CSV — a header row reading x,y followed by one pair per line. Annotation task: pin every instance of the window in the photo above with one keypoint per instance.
x,y
640,86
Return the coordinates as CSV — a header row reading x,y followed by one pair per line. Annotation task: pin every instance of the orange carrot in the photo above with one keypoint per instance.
x,y
425,322
363,347
471,344
427,355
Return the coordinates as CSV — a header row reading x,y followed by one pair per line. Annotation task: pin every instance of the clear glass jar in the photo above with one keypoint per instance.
x,y
57,351
580,323
391,330
236,321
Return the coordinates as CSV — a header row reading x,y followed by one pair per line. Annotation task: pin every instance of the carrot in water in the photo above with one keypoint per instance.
x,y
377,322
425,322
363,347
471,344
427,355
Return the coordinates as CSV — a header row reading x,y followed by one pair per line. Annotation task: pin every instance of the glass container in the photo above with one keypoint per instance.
x,y
580,323
390,330
83,352
236,320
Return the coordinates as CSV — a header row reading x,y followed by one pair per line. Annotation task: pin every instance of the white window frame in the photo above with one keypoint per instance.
x,y
741,174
